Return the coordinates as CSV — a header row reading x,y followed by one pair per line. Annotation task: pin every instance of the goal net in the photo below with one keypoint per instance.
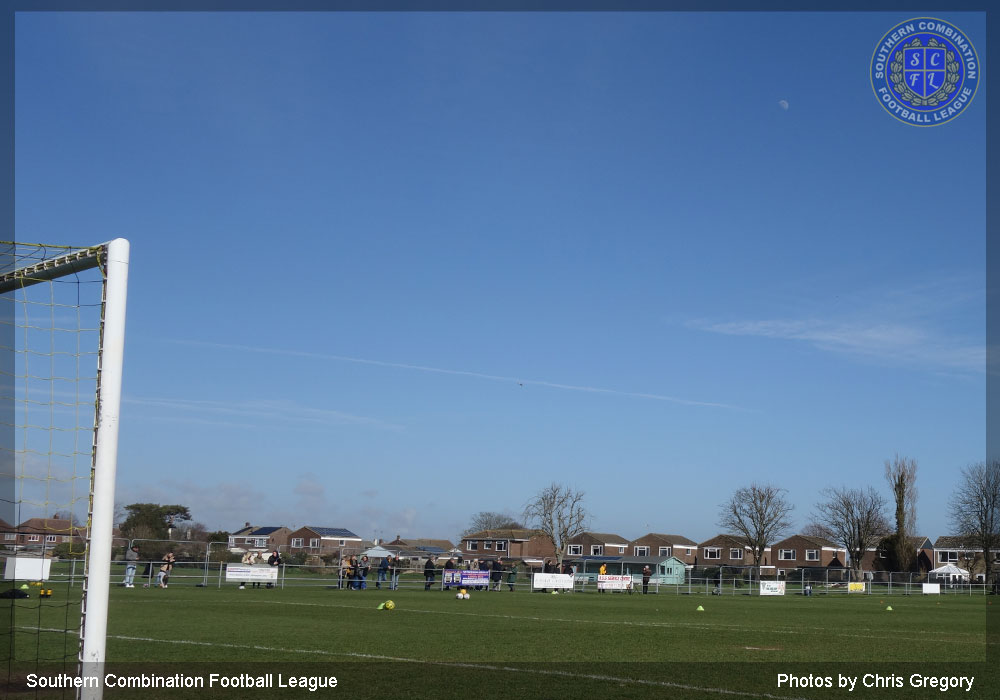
x,y
62,319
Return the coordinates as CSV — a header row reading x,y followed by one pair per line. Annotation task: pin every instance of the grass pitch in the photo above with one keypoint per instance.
x,y
501,644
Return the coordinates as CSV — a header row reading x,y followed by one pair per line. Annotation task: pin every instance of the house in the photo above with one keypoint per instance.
x,y
324,541
43,533
800,551
532,547
729,550
596,544
421,548
656,544
262,539
874,558
963,553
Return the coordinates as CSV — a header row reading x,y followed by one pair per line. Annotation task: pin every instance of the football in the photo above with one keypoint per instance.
x,y
389,605
466,596
459,596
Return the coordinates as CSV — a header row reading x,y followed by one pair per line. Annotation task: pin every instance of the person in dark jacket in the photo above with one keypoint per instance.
x,y
274,561
496,573
428,574
383,571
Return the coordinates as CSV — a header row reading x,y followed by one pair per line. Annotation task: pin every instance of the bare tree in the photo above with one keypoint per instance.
x,y
488,520
901,475
975,507
559,513
759,513
855,519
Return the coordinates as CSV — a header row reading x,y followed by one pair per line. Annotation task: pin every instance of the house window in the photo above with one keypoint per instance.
x,y
642,551
314,542
621,550
713,552
812,555
232,541
596,550
948,556
736,553
296,541
10,536
343,542
487,545
51,538
472,546
574,550
786,555
687,552
260,542
664,551
34,538
501,546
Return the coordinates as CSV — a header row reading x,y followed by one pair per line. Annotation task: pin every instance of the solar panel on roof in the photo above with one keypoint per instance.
x,y
264,530
332,532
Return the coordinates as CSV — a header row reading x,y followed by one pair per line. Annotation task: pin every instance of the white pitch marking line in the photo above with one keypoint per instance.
x,y
449,664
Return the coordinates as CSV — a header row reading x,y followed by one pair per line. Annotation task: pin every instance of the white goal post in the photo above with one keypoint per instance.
x,y
23,271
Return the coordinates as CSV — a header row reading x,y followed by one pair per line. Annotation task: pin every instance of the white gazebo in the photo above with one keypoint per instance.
x,y
949,573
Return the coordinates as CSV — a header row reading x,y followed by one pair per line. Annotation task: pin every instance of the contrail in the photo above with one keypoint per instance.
x,y
456,372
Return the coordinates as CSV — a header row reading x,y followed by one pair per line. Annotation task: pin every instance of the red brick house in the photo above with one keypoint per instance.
x,y
43,533
422,548
259,539
729,550
925,561
655,544
323,541
530,546
800,551
597,544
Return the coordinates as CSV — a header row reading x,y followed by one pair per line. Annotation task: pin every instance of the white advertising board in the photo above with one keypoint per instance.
x,y
241,572
27,569
553,581
932,589
772,588
613,582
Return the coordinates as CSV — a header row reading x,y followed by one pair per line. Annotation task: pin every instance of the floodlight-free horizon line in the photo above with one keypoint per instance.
x,y
460,373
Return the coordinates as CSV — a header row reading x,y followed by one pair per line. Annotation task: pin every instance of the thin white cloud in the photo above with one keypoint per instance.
x,y
270,410
457,372
894,342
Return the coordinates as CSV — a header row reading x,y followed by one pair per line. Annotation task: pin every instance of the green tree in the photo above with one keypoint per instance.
x,y
151,521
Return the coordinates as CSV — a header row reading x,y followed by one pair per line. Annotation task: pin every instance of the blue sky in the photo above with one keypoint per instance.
x,y
389,270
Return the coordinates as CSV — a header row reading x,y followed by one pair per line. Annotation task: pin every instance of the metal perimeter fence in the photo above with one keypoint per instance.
x,y
695,581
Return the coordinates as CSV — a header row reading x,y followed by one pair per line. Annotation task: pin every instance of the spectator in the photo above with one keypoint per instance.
x,y
274,561
383,571
131,561
163,578
496,573
646,573
363,566
512,576
428,574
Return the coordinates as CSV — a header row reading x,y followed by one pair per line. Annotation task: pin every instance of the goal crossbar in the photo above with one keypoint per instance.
x,y
52,268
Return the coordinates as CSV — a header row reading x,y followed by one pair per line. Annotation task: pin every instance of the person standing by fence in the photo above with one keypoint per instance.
x,y
383,571
273,561
131,561
646,573
512,576
163,578
428,574
363,567
394,573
